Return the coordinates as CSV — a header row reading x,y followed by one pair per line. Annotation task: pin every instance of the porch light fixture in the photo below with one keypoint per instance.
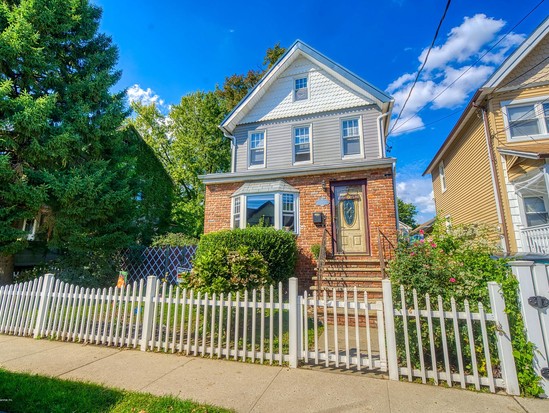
x,y
324,185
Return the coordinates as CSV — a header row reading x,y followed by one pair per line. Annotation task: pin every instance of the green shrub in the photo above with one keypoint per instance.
x,y
173,239
222,270
459,262
277,247
315,249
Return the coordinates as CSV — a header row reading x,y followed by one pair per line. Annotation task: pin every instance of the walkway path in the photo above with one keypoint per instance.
x,y
245,387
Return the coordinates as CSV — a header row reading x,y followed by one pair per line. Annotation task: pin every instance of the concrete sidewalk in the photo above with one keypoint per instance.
x,y
245,387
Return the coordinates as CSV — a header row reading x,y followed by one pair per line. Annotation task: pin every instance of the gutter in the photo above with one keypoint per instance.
x,y
381,133
233,149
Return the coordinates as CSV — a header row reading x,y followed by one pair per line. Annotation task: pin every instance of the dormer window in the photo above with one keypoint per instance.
x,y
301,88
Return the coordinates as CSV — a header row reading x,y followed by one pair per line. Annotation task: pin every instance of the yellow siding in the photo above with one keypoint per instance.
x,y
522,167
469,197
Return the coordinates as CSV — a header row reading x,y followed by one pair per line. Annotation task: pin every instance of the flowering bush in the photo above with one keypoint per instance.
x,y
455,262
459,262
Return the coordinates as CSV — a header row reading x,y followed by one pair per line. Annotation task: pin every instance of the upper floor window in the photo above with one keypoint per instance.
x,y
302,144
301,89
442,177
526,119
257,149
350,135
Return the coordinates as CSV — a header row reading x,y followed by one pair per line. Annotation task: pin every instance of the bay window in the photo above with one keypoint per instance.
x,y
279,210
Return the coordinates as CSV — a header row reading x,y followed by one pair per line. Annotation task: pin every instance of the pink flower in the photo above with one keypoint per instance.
x,y
421,232
452,280
422,241
433,244
412,254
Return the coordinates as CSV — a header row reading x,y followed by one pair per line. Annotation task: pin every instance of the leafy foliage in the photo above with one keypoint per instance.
x,y
407,213
61,145
189,143
173,239
222,270
277,247
458,262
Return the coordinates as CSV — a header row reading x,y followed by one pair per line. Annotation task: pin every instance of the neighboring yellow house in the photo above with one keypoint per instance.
x,y
493,166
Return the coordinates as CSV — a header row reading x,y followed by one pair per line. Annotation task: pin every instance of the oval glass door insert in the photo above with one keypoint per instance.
x,y
349,212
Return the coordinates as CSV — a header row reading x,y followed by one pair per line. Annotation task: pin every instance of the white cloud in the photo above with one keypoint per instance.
x,y
419,192
463,46
144,96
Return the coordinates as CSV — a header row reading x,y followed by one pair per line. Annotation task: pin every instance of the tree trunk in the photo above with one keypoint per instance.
x,y
6,269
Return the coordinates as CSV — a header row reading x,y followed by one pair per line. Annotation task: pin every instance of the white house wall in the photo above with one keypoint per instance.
x,y
514,208
326,139
325,94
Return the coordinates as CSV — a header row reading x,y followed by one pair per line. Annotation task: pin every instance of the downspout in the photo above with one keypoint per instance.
x,y
495,182
381,133
395,196
233,150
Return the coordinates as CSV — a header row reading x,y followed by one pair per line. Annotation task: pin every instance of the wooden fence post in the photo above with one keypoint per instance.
x,y
505,348
390,329
294,318
148,312
44,297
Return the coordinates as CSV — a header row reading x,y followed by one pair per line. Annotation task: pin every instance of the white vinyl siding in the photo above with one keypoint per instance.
x,y
302,144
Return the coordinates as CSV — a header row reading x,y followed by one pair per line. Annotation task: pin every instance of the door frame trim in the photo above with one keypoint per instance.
x,y
364,184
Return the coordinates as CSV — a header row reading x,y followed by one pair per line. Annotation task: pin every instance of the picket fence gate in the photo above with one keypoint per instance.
x,y
277,326
533,280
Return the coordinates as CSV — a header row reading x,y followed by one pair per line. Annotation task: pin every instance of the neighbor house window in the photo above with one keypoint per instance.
x,y
257,149
350,135
535,211
526,119
442,177
302,144
30,226
301,89
279,210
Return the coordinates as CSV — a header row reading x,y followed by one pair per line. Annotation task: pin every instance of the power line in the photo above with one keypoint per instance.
x,y
522,74
423,65
469,68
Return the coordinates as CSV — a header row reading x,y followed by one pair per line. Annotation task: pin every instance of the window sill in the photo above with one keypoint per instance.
x,y
256,166
303,163
357,156
527,138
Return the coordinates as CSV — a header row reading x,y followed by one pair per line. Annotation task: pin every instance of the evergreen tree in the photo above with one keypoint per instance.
x,y
60,139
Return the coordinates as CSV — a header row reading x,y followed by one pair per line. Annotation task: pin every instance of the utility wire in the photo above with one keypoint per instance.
x,y
422,66
469,68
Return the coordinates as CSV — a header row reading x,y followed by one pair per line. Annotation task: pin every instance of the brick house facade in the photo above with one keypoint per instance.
x,y
310,138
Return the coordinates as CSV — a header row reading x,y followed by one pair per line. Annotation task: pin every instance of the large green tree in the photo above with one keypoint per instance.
x,y
60,140
407,213
189,143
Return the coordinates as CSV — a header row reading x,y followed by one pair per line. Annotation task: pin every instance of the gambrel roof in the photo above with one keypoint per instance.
x,y
294,52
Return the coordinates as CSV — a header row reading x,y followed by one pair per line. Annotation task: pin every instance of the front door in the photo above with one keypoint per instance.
x,y
348,210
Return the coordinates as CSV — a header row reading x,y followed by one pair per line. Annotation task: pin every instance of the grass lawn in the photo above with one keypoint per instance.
x,y
21,392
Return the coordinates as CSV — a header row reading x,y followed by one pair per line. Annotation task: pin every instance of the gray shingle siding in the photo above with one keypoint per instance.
x,y
326,138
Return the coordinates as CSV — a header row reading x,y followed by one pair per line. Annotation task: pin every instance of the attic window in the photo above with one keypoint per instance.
x,y
301,89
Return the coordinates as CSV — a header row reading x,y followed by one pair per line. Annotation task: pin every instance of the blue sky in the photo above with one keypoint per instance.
x,y
170,48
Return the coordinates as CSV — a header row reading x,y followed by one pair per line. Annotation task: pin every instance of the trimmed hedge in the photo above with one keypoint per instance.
x,y
277,247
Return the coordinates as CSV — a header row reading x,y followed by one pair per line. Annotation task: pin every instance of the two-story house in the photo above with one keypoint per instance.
x,y
492,168
308,155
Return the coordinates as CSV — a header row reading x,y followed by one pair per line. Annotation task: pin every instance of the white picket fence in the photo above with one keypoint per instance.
x,y
276,327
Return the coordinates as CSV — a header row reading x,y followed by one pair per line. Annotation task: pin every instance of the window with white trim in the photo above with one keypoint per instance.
x,y
256,149
30,226
535,210
442,176
275,209
236,213
350,135
526,119
301,88
302,144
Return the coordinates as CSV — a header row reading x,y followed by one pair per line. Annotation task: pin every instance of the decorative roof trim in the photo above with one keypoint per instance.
x,y
383,100
263,187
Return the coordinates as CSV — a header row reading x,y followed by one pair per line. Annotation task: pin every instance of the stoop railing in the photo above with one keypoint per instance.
x,y
424,341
